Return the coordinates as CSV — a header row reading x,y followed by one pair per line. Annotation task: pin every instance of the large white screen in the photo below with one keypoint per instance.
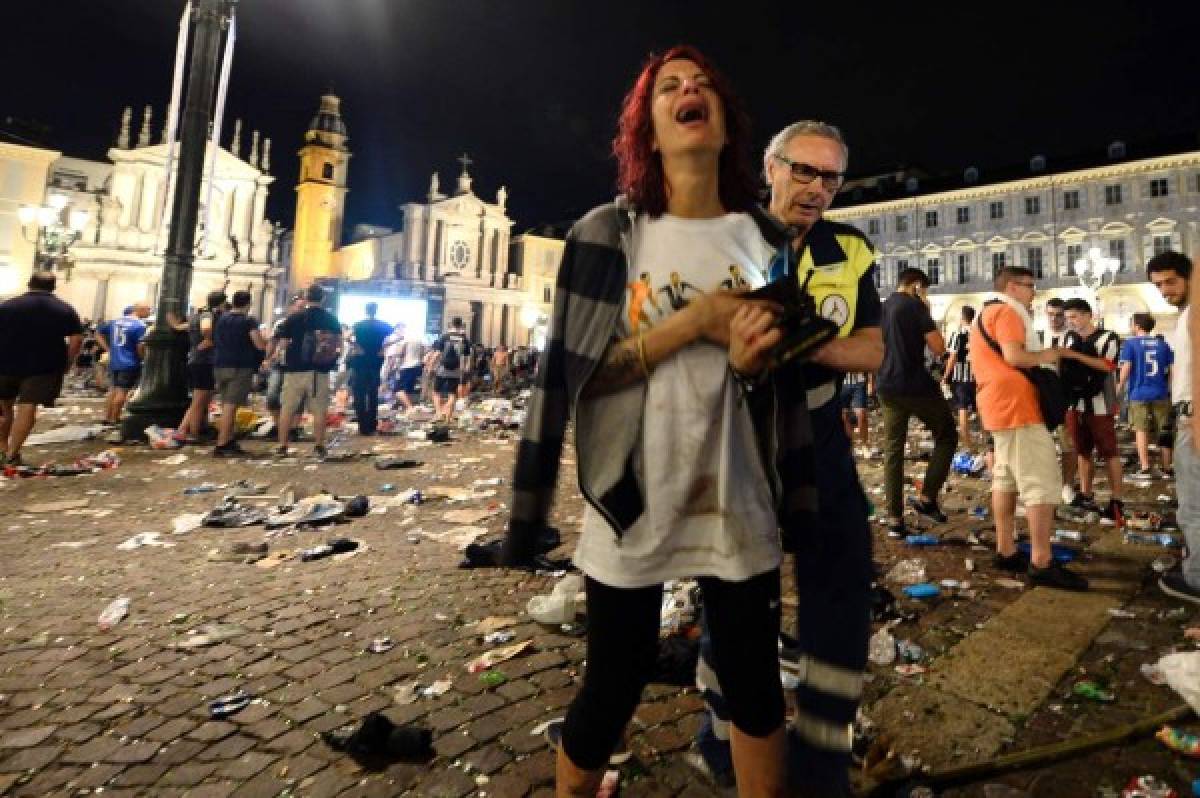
x,y
352,308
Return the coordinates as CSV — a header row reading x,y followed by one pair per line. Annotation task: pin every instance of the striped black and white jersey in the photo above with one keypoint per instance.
x,y
854,378
959,345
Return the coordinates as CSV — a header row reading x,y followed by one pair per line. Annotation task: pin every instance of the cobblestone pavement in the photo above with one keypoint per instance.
x,y
123,710
126,711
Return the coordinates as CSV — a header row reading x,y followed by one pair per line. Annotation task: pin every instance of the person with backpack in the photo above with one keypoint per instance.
x,y
453,347
1004,352
1091,386
312,339
1145,363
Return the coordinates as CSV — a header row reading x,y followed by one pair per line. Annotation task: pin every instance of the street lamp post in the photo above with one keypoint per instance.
x,y
54,229
162,396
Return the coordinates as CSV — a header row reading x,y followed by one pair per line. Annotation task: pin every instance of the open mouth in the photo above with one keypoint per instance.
x,y
691,111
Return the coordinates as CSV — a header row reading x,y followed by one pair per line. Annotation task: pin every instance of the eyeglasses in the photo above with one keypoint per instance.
x,y
804,174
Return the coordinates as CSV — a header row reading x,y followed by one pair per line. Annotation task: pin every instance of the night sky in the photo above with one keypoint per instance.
x,y
530,88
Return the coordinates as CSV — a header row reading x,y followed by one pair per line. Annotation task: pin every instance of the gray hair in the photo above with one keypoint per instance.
x,y
805,127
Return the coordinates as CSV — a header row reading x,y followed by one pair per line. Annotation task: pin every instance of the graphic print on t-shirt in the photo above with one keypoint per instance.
x,y
642,292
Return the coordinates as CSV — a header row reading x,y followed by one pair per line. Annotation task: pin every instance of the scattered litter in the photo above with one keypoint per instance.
x,y
1182,672
1093,691
143,539
228,705
922,540
335,546
161,438
1179,741
559,606
910,670
182,524
75,544
907,572
922,591
496,638
72,433
1011,584
381,645
493,678
472,516
497,655
114,613
210,634
389,463
882,648
375,737
1073,535
175,459
405,694
459,537
203,487
494,623
1117,612
438,688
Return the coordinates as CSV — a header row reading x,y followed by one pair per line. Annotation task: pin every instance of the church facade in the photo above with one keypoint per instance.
x,y
118,258
455,248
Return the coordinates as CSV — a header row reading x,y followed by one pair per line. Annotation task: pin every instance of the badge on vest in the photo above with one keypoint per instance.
x,y
835,308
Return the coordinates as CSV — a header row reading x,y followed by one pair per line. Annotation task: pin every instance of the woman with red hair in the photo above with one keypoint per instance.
x,y
690,454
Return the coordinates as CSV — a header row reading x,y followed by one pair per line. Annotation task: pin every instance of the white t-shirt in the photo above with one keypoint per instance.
x,y
411,352
1181,368
709,509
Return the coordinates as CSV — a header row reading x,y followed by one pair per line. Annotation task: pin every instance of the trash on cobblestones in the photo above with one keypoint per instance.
x,y
497,638
1059,553
210,634
1148,787
175,459
230,704
1073,535
274,559
390,463
1093,691
56,507
230,515
317,509
473,515
1182,672
72,433
380,645
969,564
922,540
559,605
493,678
1163,564
1152,673
161,437
182,524
1160,539
405,694
143,539
923,590
1010,584
882,648
376,738
440,687
203,487
907,572
1180,741
680,604
494,623
335,546
246,553
1144,521
114,613
1117,612
357,506
494,657
909,651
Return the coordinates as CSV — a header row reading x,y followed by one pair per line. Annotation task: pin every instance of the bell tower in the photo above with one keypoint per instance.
x,y
320,195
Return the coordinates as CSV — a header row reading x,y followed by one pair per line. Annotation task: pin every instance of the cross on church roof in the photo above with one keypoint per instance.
x,y
465,161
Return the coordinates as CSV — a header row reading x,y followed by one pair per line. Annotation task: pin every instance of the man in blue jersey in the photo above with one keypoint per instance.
x,y
122,340
1145,363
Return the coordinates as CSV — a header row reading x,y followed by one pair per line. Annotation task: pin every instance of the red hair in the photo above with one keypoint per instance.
x,y
639,168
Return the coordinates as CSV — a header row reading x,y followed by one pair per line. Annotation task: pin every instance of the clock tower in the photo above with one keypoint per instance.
x,y
320,195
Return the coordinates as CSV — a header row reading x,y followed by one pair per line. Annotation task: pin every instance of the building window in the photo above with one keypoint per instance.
x,y
964,268
996,210
547,294
964,215
901,265
1070,200
1112,195
1162,243
1159,187
873,227
327,171
934,267
1033,261
931,218
901,224
878,276
1074,253
998,262
1116,249
1033,206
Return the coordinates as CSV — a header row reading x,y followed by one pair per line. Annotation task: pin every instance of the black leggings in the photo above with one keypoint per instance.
x,y
623,627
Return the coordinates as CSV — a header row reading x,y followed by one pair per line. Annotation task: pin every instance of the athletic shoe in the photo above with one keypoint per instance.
x,y
554,730
1147,473
230,449
1115,511
928,509
320,452
1085,502
281,451
1056,576
1174,585
1016,562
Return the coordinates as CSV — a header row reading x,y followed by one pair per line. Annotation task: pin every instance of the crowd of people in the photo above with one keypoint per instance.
x,y
706,446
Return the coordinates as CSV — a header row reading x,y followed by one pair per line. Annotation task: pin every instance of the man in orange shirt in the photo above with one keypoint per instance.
x,y
1026,463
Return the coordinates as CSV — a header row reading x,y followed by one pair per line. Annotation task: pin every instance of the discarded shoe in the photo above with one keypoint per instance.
x,y
230,514
357,507
335,546
389,463
228,705
313,510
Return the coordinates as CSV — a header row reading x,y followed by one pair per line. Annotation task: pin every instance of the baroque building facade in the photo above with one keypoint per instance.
x,y
118,258
1046,221
455,250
